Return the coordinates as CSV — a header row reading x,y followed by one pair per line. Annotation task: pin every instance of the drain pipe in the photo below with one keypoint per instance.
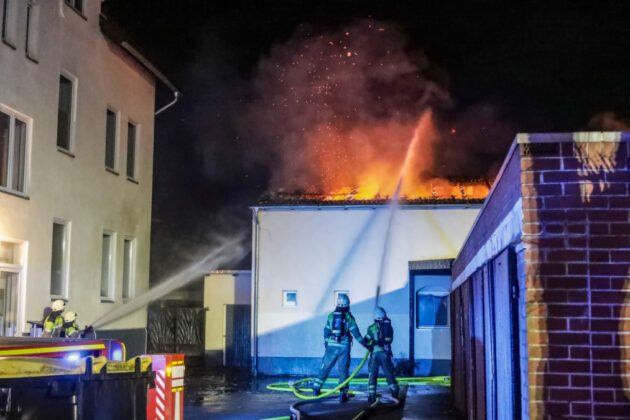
x,y
158,75
254,306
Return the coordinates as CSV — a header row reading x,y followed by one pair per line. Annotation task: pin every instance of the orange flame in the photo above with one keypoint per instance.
x,y
370,161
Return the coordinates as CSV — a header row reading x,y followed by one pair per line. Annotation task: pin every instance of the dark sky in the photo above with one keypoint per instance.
x,y
541,66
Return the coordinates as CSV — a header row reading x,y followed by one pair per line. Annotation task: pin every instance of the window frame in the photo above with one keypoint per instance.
x,y
20,269
65,272
31,49
8,25
111,281
73,113
13,115
114,168
134,177
131,287
72,5
445,294
285,302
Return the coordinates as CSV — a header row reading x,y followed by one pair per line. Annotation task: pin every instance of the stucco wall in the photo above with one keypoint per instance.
x,y
78,189
317,251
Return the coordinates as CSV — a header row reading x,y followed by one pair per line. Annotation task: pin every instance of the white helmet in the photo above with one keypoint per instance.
x,y
70,316
342,300
58,305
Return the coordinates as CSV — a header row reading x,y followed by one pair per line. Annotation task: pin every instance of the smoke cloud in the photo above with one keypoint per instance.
x,y
334,108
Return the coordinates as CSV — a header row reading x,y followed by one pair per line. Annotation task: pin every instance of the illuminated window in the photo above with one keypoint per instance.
x,y
289,298
131,150
111,126
431,307
10,274
13,143
65,113
108,266
59,264
128,267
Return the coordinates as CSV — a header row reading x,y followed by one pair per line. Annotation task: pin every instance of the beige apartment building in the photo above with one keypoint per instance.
x,y
77,112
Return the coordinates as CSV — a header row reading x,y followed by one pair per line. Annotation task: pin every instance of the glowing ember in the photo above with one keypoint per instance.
x,y
336,113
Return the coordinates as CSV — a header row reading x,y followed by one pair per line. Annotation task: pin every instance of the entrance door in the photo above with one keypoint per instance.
x,y
8,303
506,336
431,324
237,336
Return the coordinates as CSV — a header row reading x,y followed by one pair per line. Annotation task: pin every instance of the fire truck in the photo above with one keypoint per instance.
x,y
82,379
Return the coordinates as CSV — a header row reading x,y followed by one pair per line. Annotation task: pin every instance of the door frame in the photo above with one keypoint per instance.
x,y
436,267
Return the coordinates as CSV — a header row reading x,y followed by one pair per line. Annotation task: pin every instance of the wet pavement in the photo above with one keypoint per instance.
x,y
233,394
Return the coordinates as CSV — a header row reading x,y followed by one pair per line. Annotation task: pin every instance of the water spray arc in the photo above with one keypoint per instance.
x,y
229,250
421,131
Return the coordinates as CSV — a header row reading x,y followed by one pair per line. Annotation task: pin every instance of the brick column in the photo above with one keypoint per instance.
x,y
576,231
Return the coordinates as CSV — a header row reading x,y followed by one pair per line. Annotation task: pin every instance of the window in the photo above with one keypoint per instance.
x,y
431,307
336,294
65,115
59,265
75,4
13,129
9,21
10,273
32,33
131,150
107,266
289,298
128,268
110,139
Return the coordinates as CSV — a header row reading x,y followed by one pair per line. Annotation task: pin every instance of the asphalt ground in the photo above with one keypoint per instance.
x,y
233,394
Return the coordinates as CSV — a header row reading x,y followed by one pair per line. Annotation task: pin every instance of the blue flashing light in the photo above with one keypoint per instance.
x,y
117,355
72,357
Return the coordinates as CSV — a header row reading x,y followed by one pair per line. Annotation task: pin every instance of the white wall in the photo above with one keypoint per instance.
x,y
78,189
220,289
316,251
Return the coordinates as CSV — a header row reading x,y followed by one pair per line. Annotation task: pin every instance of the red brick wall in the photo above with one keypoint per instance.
x,y
576,232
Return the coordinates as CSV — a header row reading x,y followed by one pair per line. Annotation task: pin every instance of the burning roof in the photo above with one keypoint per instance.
x,y
465,192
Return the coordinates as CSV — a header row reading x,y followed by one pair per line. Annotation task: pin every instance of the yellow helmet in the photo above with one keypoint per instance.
x,y
58,305
70,316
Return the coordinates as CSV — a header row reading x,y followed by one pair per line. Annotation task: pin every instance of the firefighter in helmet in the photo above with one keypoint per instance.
x,y
379,339
70,326
53,322
338,332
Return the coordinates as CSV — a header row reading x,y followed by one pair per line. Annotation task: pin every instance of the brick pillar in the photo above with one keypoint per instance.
x,y
576,231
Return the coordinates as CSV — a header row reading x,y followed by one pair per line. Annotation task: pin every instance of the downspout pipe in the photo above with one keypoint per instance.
x,y
155,72
254,306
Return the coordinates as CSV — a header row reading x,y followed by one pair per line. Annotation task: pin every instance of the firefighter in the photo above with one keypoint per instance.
x,y
53,322
338,340
70,326
379,339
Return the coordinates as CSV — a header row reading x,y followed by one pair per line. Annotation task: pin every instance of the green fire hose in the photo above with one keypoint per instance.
x,y
293,386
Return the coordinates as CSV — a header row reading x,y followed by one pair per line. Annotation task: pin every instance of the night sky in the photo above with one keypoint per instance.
x,y
507,68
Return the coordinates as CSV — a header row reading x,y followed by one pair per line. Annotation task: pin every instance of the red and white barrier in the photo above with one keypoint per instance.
x,y
166,400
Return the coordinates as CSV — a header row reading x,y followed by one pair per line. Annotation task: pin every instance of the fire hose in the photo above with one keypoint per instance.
x,y
293,386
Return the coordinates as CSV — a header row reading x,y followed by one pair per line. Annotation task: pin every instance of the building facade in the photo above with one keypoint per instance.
x,y
540,294
76,165
305,255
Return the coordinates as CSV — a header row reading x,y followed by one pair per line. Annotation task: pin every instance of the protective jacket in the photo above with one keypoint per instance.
x,y
71,329
53,325
339,329
379,338
380,335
